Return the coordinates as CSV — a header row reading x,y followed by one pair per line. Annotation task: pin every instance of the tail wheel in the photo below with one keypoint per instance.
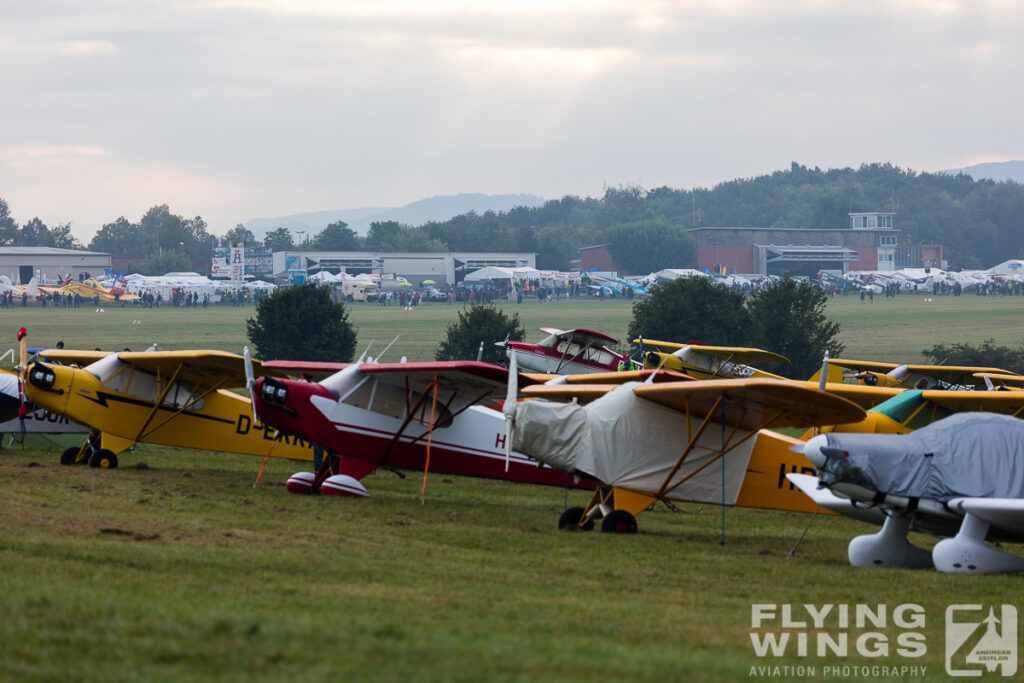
x,y
70,456
570,520
103,458
619,522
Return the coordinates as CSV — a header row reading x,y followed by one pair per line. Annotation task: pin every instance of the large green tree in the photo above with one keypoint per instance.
x,y
241,235
480,323
121,238
336,237
302,323
692,309
279,239
8,226
393,236
166,262
158,231
788,318
165,231
35,233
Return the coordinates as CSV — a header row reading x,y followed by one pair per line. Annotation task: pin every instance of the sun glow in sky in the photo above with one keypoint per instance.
x,y
237,109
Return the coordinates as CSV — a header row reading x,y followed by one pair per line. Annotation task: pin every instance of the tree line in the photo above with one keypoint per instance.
x,y
979,223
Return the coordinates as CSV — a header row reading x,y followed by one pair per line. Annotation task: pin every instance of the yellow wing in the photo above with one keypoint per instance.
x,y
1005,402
201,368
733,354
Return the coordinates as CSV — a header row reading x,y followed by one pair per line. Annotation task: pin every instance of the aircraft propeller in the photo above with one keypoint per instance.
x,y
250,381
823,380
509,409
22,369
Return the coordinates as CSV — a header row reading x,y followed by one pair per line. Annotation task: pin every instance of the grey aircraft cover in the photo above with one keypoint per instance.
x,y
624,440
972,455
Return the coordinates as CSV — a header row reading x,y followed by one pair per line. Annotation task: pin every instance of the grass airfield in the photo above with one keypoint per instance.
x,y
173,567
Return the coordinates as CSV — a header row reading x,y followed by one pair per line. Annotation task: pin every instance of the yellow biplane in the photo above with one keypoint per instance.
x,y
172,398
708,362
90,289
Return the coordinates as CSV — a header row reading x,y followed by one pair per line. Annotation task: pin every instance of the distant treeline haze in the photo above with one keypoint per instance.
x,y
979,223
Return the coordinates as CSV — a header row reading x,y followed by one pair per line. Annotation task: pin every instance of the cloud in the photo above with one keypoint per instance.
x,y
232,109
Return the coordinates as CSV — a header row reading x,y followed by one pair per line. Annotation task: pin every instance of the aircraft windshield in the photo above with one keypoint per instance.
x,y
568,348
117,375
387,399
600,355
910,408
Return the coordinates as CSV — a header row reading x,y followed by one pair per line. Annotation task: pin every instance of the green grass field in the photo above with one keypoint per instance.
x,y
895,330
173,567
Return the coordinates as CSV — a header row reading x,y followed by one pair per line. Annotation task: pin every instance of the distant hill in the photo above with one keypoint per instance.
x,y
414,214
1003,170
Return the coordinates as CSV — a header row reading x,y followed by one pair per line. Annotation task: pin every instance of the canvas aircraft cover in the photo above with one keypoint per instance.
x,y
970,455
634,434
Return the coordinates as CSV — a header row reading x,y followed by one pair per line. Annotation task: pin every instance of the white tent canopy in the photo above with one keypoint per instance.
x,y
498,273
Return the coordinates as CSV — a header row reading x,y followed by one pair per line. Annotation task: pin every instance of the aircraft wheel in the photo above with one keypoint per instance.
x,y
70,456
619,522
103,458
570,521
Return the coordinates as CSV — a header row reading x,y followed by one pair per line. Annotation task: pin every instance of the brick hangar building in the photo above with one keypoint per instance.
x,y
870,243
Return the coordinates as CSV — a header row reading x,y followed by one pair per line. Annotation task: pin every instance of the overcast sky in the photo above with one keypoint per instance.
x,y
238,109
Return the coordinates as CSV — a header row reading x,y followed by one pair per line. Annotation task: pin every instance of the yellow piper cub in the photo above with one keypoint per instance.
x,y
172,398
708,362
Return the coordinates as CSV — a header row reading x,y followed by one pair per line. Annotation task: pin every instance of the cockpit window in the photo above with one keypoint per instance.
x,y
390,400
119,376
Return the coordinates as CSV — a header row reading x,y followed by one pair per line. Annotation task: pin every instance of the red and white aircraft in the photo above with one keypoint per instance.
x,y
425,415
406,415
569,352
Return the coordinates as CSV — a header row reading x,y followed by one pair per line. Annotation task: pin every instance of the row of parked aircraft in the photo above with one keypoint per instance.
x,y
112,288
696,426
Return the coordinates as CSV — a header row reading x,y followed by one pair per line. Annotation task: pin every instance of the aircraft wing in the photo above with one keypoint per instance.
x,y
951,374
462,377
1016,381
869,365
739,354
72,357
314,370
581,335
733,354
1005,514
808,485
202,368
864,396
668,347
1004,402
624,376
747,403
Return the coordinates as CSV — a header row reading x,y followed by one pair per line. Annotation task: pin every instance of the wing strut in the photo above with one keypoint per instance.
x,y
191,401
689,447
430,436
728,446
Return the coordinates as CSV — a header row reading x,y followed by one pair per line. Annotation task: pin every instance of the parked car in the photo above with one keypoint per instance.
x,y
435,294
